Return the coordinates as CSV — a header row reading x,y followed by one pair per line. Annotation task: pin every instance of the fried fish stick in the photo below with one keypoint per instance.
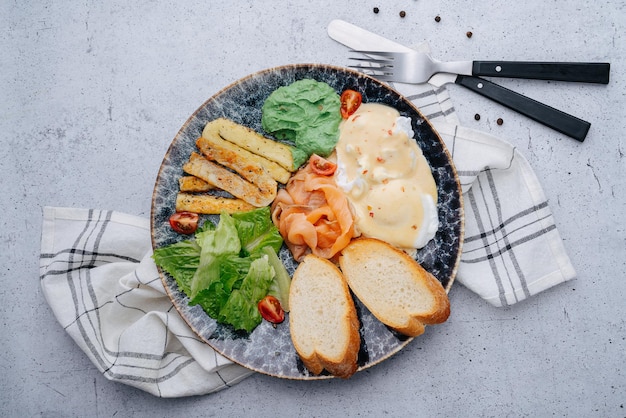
x,y
213,146
252,141
234,184
210,205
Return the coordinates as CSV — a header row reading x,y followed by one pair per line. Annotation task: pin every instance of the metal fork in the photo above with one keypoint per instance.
x,y
418,67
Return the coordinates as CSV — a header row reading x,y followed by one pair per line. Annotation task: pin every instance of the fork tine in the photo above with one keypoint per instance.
x,y
376,73
382,64
386,54
372,60
365,68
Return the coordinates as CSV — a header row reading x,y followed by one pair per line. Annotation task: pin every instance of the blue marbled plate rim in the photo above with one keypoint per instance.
x,y
269,349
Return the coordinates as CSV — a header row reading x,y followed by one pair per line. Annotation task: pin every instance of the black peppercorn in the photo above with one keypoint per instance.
x,y
499,121
376,10
437,18
469,34
402,13
477,116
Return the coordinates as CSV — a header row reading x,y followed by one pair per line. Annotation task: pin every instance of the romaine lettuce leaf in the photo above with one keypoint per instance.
x,y
226,269
282,281
232,271
214,245
180,260
256,230
240,313
241,308
212,298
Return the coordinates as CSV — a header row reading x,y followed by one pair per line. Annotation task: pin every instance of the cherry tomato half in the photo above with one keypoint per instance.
x,y
350,102
322,166
184,222
270,310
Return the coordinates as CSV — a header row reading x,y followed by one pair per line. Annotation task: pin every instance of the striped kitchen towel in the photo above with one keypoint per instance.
x,y
98,277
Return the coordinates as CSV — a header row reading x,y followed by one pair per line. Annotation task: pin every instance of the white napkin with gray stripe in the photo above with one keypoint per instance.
x,y
104,289
98,276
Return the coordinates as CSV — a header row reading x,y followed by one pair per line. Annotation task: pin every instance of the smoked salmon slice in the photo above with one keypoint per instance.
x,y
313,215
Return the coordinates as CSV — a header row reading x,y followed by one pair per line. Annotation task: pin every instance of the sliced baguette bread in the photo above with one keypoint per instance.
x,y
323,321
393,286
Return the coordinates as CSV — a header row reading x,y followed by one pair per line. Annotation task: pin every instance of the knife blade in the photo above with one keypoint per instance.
x,y
358,38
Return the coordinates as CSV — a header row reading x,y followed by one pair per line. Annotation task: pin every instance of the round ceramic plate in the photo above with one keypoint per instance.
x,y
269,349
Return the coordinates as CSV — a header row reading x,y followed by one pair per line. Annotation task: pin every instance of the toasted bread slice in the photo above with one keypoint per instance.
x,y
393,286
322,318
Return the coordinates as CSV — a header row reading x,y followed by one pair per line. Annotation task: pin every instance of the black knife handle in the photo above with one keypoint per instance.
x,y
592,72
544,114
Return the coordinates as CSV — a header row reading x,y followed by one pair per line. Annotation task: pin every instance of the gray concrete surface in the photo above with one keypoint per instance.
x,y
91,94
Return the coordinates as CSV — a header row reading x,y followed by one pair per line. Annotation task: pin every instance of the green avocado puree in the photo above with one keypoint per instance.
x,y
306,113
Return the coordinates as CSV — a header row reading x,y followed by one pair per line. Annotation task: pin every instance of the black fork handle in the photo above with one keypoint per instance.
x,y
583,72
553,118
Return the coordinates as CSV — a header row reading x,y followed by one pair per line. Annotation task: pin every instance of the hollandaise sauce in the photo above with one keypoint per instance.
x,y
386,178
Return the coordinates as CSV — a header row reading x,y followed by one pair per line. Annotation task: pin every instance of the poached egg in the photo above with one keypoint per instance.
x,y
386,177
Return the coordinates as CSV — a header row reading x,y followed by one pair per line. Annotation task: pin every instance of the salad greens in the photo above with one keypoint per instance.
x,y
229,267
